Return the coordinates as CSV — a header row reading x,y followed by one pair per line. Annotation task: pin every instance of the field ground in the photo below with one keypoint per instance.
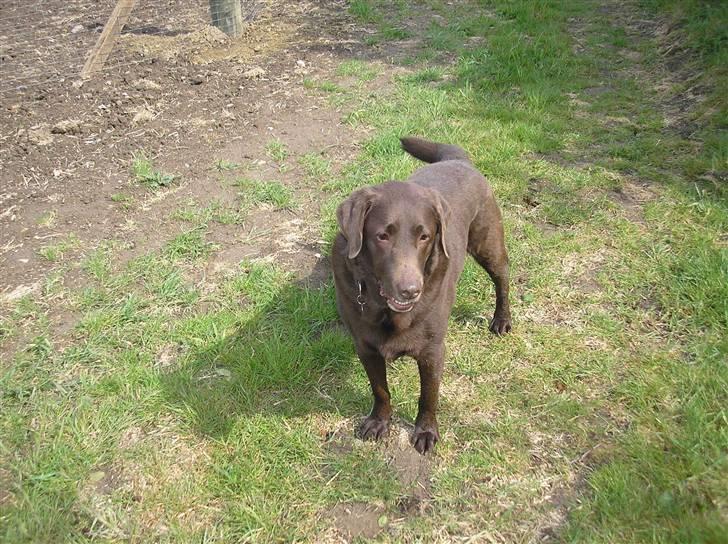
x,y
173,369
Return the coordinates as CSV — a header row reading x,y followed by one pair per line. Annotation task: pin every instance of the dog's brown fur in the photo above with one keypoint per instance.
x,y
396,262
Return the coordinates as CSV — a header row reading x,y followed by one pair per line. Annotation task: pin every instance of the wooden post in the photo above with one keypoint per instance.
x,y
105,43
227,15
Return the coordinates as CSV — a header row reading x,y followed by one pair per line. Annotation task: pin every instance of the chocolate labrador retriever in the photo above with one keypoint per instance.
x,y
396,260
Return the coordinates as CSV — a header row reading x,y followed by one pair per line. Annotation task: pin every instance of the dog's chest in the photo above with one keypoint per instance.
x,y
401,337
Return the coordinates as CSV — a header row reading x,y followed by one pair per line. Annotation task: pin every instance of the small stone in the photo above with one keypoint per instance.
x,y
254,73
68,126
142,116
40,135
223,373
77,28
143,84
19,292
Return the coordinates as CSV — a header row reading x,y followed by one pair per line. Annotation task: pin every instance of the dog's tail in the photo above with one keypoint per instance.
x,y
432,151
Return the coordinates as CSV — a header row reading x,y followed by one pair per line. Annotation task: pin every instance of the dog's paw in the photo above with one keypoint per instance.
x,y
425,438
374,428
500,325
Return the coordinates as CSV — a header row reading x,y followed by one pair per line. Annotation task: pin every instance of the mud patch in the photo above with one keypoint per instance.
x,y
105,519
358,520
631,198
582,269
413,471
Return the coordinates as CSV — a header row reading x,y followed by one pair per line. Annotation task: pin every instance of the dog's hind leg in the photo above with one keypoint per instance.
x,y
486,244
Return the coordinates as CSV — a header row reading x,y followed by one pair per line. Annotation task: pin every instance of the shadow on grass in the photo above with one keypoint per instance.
x,y
287,354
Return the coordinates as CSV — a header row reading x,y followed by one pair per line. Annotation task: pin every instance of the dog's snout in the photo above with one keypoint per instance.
x,y
408,284
410,292
409,289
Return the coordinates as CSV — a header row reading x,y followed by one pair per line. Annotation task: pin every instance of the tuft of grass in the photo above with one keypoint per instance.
x,y
315,166
48,219
55,252
364,10
324,86
189,245
98,264
387,16
358,69
426,75
394,33
277,150
144,172
223,165
216,211
253,192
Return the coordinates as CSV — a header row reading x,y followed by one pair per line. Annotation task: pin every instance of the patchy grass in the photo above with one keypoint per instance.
x,y
144,172
358,69
189,245
223,165
215,211
47,220
55,252
254,192
277,151
324,86
315,166
185,405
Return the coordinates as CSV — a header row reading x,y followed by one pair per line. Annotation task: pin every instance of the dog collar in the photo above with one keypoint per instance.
x,y
360,300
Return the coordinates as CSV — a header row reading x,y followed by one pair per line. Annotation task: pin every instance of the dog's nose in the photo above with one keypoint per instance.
x,y
410,292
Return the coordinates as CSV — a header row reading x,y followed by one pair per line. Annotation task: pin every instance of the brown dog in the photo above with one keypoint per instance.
x,y
396,261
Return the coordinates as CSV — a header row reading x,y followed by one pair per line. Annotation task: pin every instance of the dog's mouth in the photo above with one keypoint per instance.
x,y
397,305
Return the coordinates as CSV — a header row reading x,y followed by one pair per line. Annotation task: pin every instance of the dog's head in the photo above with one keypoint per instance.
x,y
399,230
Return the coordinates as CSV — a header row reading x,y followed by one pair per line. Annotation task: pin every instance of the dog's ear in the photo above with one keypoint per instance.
x,y
442,212
351,214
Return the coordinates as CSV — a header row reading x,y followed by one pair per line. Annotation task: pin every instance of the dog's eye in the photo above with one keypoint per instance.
x,y
382,236
424,237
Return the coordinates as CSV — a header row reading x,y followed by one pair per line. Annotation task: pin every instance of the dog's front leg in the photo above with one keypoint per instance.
x,y
376,425
430,365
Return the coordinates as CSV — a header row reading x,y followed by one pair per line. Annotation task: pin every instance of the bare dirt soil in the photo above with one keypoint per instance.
x,y
186,95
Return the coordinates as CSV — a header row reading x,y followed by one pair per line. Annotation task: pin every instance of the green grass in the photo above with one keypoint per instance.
x,y
180,404
189,245
223,165
387,16
215,211
48,219
358,69
315,166
255,192
277,151
121,198
324,86
145,173
55,251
